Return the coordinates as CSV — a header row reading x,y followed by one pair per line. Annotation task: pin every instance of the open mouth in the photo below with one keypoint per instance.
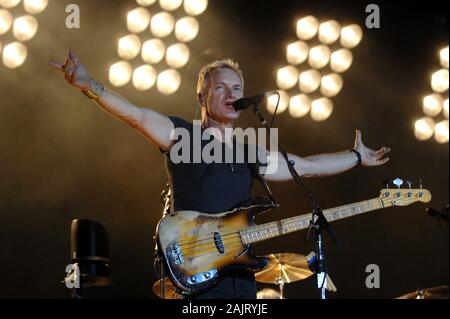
x,y
229,105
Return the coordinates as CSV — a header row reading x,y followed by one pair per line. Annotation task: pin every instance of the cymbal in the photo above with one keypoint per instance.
x,y
268,293
285,267
169,290
430,293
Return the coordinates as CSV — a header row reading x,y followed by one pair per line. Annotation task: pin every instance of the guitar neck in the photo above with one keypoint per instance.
x,y
285,226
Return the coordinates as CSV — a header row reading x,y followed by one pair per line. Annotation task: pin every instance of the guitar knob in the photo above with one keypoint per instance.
x,y
207,275
193,278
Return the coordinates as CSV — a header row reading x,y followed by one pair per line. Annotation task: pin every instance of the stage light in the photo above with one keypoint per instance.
x,y
351,36
424,128
8,4
168,81
331,84
6,20
441,132
297,52
282,106
446,108
138,20
329,31
120,73
14,55
307,27
153,51
321,109
439,81
299,105
443,55
341,60
145,3
162,24
186,29
35,6
195,7
129,47
144,77
309,81
432,104
170,5
319,56
287,77
177,55
25,28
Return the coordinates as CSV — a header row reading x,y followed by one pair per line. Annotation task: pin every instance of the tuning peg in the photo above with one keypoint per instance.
x,y
420,182
386,183
398,182
409,183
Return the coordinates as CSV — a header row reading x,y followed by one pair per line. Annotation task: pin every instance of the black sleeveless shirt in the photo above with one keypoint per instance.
x,y
206,187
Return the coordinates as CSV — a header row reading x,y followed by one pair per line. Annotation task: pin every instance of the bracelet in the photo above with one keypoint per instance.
x,y
359,157
95,89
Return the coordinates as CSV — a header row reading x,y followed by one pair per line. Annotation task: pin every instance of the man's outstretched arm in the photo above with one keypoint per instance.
x,y
153,125
326,164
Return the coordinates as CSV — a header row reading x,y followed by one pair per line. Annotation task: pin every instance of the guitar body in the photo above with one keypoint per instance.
x,y
200,248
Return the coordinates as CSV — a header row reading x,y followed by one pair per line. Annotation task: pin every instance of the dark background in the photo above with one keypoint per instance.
x,y
63,158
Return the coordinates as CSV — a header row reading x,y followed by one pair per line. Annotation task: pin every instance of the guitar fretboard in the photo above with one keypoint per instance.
x,y
285,226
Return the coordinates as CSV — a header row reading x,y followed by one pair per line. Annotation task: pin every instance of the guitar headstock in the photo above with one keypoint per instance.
x,y
403,196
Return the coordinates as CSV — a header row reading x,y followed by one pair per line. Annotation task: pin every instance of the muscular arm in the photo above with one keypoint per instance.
x,y
323,164
311,166
153,125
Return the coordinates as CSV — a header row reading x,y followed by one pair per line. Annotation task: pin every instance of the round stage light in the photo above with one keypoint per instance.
x,y
299,105
441,132
424,128
307,28
297,52
195,7
341,60
14,55
6,20
144,77
138,20
153,51
168,81
25,28
319,56
321,109
162,24
170,5
129,47
282,106
186,29
177,55
120,73
439,81
351,36
35,6
309,81
331,85
287,77
432,104
329,32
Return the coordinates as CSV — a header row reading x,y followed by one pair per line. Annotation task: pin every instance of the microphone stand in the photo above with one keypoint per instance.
x,y
318,221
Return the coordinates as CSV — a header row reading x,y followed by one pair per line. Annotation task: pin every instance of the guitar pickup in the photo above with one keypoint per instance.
x,y
218,242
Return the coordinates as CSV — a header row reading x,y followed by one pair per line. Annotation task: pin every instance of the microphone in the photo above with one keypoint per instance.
x,y
246,102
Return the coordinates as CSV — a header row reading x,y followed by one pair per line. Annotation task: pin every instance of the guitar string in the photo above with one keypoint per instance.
x,y
231,231
211,245
213,249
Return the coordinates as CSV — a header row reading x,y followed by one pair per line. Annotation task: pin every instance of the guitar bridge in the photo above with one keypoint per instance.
x,y
175,254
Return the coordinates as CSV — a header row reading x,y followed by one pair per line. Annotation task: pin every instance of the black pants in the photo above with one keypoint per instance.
x,y
237,285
